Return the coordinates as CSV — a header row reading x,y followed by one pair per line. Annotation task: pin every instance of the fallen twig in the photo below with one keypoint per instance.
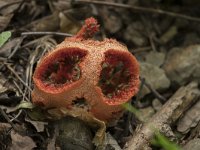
x,y
169,113
7,119
138,8
46,33
17,76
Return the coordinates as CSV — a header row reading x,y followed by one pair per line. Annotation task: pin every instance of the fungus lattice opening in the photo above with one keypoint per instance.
x,y
114,77
81,103
63,69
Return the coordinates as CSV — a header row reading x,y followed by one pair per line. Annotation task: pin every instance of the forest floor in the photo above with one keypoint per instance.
x,y
164,36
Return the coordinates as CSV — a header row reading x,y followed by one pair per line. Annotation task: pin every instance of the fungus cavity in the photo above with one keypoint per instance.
x,y
62,68
115,75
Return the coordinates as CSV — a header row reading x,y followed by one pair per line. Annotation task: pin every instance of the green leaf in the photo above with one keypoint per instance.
x,y
164,142
132,109
37,114
4,36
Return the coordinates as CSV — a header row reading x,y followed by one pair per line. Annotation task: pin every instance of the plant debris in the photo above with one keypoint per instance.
x,y
164,37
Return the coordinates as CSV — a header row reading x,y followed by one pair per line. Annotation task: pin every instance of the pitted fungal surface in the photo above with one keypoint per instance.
x,y
115,75
63,68
81,73
81,103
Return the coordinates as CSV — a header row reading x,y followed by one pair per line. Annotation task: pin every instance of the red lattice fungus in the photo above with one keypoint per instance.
x,y
80,72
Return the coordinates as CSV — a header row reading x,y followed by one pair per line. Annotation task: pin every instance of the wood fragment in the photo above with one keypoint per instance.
x,y
169,113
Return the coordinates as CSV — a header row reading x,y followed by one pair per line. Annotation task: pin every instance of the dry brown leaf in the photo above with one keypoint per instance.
x,y
96,124
59,5
67,25
48,23
4,21
190,119
39,125
20,142
8,7
6,49
4,128
73,133
111,143
8,92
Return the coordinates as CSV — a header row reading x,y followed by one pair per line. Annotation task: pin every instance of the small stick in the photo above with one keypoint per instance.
x,y
18,77
20,91
7,119
138,8
140,89
46,33
168,114
16,48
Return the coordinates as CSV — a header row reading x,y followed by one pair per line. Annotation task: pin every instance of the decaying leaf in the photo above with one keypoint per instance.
x,y
2,82
183,64
67,25
55,114
111,143
37,114
4,126
5,85
8,93
22,105
6,49
21,142
190,119
153,75
155,58
39,125
192,145
112,22
48,23
97,125
74,134
4,136
4,21
59,5
7,9
52,141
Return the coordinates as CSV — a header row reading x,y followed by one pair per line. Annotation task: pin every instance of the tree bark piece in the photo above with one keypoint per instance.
x,y
169,113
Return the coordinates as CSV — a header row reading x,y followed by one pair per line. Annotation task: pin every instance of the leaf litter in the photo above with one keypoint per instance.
x,y
150,36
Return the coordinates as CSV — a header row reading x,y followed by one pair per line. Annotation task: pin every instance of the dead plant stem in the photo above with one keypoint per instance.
x,y
46,33
17,76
